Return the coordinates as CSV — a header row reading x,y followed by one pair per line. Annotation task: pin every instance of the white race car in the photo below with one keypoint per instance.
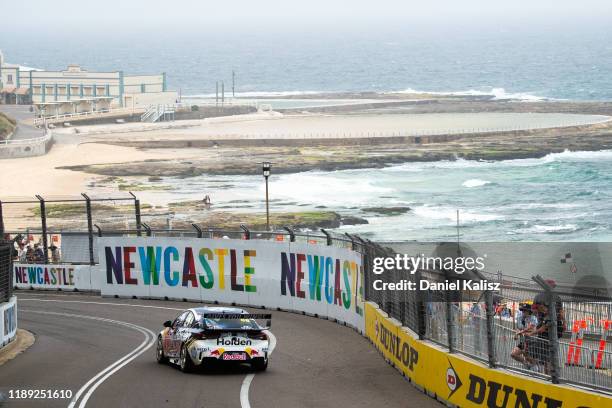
x,y
212,334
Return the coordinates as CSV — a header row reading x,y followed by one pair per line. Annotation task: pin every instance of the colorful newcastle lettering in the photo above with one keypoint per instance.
x,y
44,275
334,281
187,268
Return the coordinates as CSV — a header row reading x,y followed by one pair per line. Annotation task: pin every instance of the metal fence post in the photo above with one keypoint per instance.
x,y
291,234
449,318
89,228
198,229
490,337
328,237
137,214
43,221
552,332
1,222
421,326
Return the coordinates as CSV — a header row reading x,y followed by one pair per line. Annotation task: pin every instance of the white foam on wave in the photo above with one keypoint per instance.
x,y
475,183
258,94
495,93
565,156
326,189
450,214
549,229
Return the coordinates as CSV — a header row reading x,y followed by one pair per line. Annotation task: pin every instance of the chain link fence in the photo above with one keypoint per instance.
x,y
574,346
6,271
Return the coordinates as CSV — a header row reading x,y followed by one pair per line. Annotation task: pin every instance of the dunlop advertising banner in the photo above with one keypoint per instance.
x,y
316,279
52,276
463,382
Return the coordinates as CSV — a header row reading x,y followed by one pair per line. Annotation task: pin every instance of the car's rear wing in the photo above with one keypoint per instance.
x,y
238,316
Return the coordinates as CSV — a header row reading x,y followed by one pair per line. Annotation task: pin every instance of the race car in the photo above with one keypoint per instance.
x,y
203,335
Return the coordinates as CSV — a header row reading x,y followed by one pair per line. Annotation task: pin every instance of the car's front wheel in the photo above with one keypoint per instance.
x,y
159,352
185,362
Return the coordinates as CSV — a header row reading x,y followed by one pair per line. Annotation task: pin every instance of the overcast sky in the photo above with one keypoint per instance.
x,y
58,15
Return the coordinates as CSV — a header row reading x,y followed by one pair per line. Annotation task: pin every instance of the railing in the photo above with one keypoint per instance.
x,y
13,142
476,328
155,112
41,120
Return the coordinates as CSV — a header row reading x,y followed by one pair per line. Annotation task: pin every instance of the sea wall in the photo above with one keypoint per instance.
x,y
12,149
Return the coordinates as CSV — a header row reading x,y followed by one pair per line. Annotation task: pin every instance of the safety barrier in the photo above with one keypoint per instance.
x,y
66,277
8,321
324,281
459,381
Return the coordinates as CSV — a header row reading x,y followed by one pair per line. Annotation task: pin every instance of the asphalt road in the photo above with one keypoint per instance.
x,y
22,113
316,363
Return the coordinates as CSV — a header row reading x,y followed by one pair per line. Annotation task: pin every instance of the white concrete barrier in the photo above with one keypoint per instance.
x,y
320,280
8,321
53,277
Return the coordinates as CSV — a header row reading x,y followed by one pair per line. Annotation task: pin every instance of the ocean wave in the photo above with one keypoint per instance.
x,y
565,156
549,229
475,183
495,93
325,189
258,94
450,214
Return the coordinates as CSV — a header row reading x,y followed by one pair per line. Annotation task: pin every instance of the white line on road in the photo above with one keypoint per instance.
x,y
246,384
91,385
100,303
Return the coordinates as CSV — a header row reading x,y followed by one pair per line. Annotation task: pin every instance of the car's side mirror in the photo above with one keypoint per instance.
x,y
167,323
269,323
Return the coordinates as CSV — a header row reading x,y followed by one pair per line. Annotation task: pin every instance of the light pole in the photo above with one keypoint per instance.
x,y
266,167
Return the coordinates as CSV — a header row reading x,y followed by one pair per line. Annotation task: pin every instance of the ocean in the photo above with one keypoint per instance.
x,y
560,197
563,196
529,61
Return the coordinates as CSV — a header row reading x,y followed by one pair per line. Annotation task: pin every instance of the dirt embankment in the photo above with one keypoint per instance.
x,y
7,126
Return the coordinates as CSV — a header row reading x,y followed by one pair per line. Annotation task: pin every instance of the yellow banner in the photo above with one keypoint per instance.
x,y
464,382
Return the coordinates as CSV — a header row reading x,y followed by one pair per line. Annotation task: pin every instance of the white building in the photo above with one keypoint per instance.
x,y
78,90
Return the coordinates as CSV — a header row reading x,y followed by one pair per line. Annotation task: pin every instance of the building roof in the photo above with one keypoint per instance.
x,y
8,89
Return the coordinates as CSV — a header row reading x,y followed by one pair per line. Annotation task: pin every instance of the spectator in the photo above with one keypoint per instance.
x,y
39,255
30,258
526,322
542,299
55,254
538,340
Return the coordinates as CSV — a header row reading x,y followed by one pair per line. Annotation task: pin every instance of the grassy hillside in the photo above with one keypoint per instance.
x,y
7,125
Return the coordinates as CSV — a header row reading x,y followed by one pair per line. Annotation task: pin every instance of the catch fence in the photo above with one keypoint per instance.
x,y
486,326
6,271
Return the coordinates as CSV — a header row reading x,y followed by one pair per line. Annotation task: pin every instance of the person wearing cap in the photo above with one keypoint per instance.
x,y
525,323
542,299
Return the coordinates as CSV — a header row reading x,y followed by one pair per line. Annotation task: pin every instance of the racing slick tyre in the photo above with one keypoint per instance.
x,y
260,364
185,363
159,352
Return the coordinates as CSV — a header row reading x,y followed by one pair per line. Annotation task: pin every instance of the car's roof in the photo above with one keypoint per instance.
x,y
218,309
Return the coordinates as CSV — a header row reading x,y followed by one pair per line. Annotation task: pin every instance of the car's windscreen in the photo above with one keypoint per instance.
x,y
244,324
